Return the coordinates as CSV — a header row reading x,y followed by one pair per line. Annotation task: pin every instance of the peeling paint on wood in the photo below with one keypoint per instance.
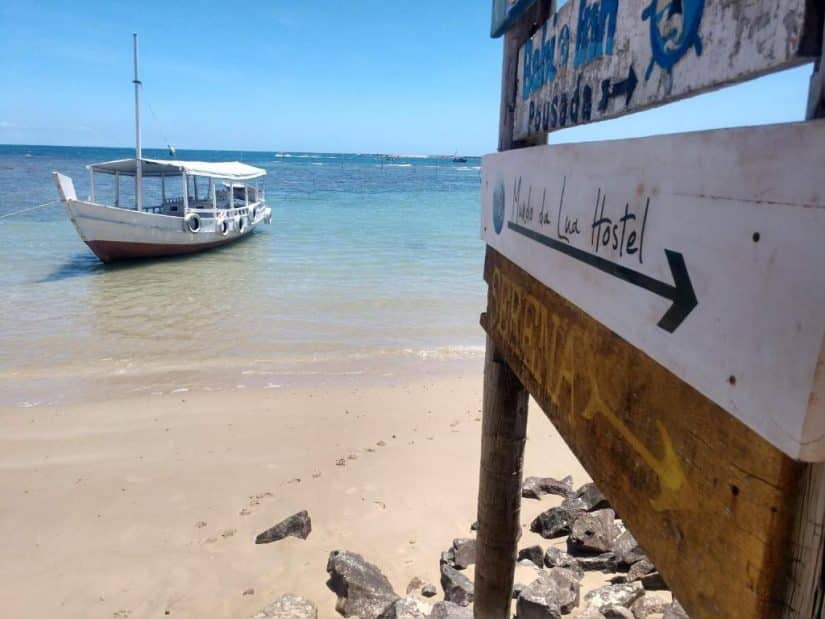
x,y
597,59
704,250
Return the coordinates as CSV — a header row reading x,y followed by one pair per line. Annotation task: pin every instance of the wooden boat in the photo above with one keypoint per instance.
x,y
181,219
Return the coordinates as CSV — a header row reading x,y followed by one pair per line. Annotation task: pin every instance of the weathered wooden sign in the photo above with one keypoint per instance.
x,y
711,502
595,59
506,13
704,250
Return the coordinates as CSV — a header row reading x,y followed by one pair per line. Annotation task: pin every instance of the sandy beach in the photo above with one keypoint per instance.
x,y
149,506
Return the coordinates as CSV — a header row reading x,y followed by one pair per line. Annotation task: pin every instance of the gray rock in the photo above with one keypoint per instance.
x,y
558,558
574,504
617,612
474,526
675,611
640,569
517,589
654,582
429,591
464,553
457,587
592,497
554,593
448,610
593,532
604,562
448,557
627,549
288,607
408,607
537,487
361,588
555,522
648,605
532,553
296,525
614,595
588,613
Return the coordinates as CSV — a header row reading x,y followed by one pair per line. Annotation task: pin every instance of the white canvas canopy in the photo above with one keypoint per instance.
x,y
229,170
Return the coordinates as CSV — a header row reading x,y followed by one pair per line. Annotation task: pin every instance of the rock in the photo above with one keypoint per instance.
x,y
429,591
592,497
617,612
408,607
537,487
554,593
288,607
474,526
654,582
448,610
627,549
588,613
457,587
464,553
414,584
555,522
532,553
448,557
517,589
555,557
593,532
297,525
574,504
648,605
675,611
640,569
614,595
604,562
361,588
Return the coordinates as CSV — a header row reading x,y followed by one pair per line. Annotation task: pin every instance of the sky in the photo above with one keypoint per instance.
x,y
321,76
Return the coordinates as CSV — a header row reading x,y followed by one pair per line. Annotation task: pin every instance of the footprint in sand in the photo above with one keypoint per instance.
x,y
244,512
316,475
381,444
352,457
200,524
340,462
226,533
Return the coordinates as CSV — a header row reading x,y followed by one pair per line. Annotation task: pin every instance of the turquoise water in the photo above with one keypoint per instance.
x,y
368,262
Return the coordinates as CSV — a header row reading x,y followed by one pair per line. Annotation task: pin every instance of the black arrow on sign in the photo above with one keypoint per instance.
x,y
681,292
626,87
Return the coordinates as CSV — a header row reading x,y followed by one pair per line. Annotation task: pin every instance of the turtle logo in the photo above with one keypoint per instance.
x,y
674,29
498,207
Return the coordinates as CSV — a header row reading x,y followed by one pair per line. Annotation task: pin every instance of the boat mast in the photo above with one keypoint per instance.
x,y
138,154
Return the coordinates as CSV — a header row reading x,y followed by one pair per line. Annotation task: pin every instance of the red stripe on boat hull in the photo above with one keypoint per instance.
x,y
109,251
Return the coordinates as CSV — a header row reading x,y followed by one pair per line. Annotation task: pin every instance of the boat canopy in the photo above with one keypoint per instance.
x,y
229,170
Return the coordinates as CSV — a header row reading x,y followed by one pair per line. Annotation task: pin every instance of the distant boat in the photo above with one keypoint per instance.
x,y
182,221
458,159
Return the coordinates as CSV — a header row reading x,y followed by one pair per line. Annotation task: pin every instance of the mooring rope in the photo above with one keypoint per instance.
x,y
31,208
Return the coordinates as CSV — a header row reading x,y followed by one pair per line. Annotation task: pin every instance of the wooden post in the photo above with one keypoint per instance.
x,y
504,409
503,430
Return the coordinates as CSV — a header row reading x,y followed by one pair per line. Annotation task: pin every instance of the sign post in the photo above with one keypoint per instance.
x,y
662,299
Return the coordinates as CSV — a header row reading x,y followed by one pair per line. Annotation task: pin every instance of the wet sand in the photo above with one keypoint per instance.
x,y
149,506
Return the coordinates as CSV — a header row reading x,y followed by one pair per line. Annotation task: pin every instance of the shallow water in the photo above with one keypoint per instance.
x,y
369,263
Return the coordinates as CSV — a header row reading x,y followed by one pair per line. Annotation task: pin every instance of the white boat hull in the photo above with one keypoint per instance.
x,y
119,234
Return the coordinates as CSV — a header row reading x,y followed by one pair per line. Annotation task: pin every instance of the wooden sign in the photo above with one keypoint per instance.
x,y
704,250
711,502
596,59
506,13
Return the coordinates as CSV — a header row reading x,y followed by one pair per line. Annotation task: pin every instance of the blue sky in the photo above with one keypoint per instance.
x,y
334,76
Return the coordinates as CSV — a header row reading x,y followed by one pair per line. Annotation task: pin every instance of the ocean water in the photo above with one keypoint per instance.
x,y
371,264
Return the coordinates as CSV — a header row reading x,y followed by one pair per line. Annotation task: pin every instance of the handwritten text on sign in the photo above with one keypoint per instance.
x,y
594,59
704,250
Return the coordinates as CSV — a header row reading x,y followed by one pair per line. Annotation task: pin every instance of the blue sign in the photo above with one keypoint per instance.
x,y
674,30
506,13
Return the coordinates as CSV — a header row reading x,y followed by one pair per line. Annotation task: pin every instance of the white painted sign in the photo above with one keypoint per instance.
x,y
595,59
705,250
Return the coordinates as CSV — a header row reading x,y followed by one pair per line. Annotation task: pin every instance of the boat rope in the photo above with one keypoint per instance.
x,y
159,124
31,208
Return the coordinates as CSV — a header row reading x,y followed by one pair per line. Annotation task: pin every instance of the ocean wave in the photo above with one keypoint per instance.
x,y
469,168
393,165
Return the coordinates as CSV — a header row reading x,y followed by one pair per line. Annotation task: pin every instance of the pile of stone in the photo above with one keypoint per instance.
x,y
596,540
